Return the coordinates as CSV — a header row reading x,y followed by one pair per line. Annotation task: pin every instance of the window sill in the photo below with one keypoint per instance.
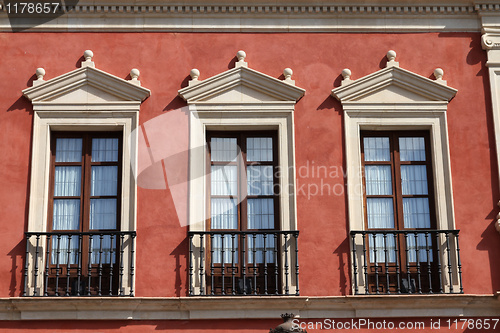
x,y
250,307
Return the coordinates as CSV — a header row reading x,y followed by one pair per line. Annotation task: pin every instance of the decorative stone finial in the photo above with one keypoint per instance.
x,y
195,74
287,73
241,55
40,73
391,59
438,74
88,55
346,74
134,74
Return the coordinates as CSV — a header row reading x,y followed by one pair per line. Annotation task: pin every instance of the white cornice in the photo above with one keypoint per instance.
x,y
185,308
281,17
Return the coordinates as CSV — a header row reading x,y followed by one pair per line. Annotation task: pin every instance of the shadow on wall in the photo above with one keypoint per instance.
x,y
181,264
16,255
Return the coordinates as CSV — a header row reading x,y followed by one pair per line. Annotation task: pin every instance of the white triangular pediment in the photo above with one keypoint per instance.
x,y
393,93
394,85
241,85
86,85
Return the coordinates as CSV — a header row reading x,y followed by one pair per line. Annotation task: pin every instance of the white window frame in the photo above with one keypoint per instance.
x,y
209,110
85,112
395,99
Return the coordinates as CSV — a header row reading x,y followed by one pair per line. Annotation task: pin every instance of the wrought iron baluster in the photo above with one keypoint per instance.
x,y
223,253
448,251
407,251
58,251
417,257
132,263
190,265
286,264
459,263
202,260
374,236
254,251
26,266
122,245
365,264
35,278
265,264
428,252
354,263
243,247
440,272
79,262
68,265
99,292
91,243
212,291
47,262
233,261
296,234
111,263
276,275
398,262
386,261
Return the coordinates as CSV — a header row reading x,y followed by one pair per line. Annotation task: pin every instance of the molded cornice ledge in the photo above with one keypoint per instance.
x,y
243,16
183,308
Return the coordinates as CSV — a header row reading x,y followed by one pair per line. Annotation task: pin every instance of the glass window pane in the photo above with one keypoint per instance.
x,y
412,149
66,214
224,180
105,150
230,246
260,179
382,248
378,180
258,245
376,149
223,149
68,150
103,251
260,213
104,180
416,213
414,179
424,247
67,181
380,213
102,214
260,149
224,214
65,249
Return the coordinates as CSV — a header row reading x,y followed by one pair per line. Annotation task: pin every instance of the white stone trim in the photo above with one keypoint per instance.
x,y
397,99
287,16
240,99
491,43
99,102
265,307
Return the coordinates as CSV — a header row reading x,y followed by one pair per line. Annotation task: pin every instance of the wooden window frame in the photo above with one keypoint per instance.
x,y
242,196
85,197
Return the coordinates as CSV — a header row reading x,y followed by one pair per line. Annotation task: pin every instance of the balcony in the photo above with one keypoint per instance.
x,y
69,263
406,262
239,263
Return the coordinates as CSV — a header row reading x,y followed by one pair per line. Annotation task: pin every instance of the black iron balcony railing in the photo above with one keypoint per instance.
x,y
68,263
238,263
406,262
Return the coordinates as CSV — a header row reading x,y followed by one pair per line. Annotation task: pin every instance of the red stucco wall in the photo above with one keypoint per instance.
x,y
367,325
317,60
